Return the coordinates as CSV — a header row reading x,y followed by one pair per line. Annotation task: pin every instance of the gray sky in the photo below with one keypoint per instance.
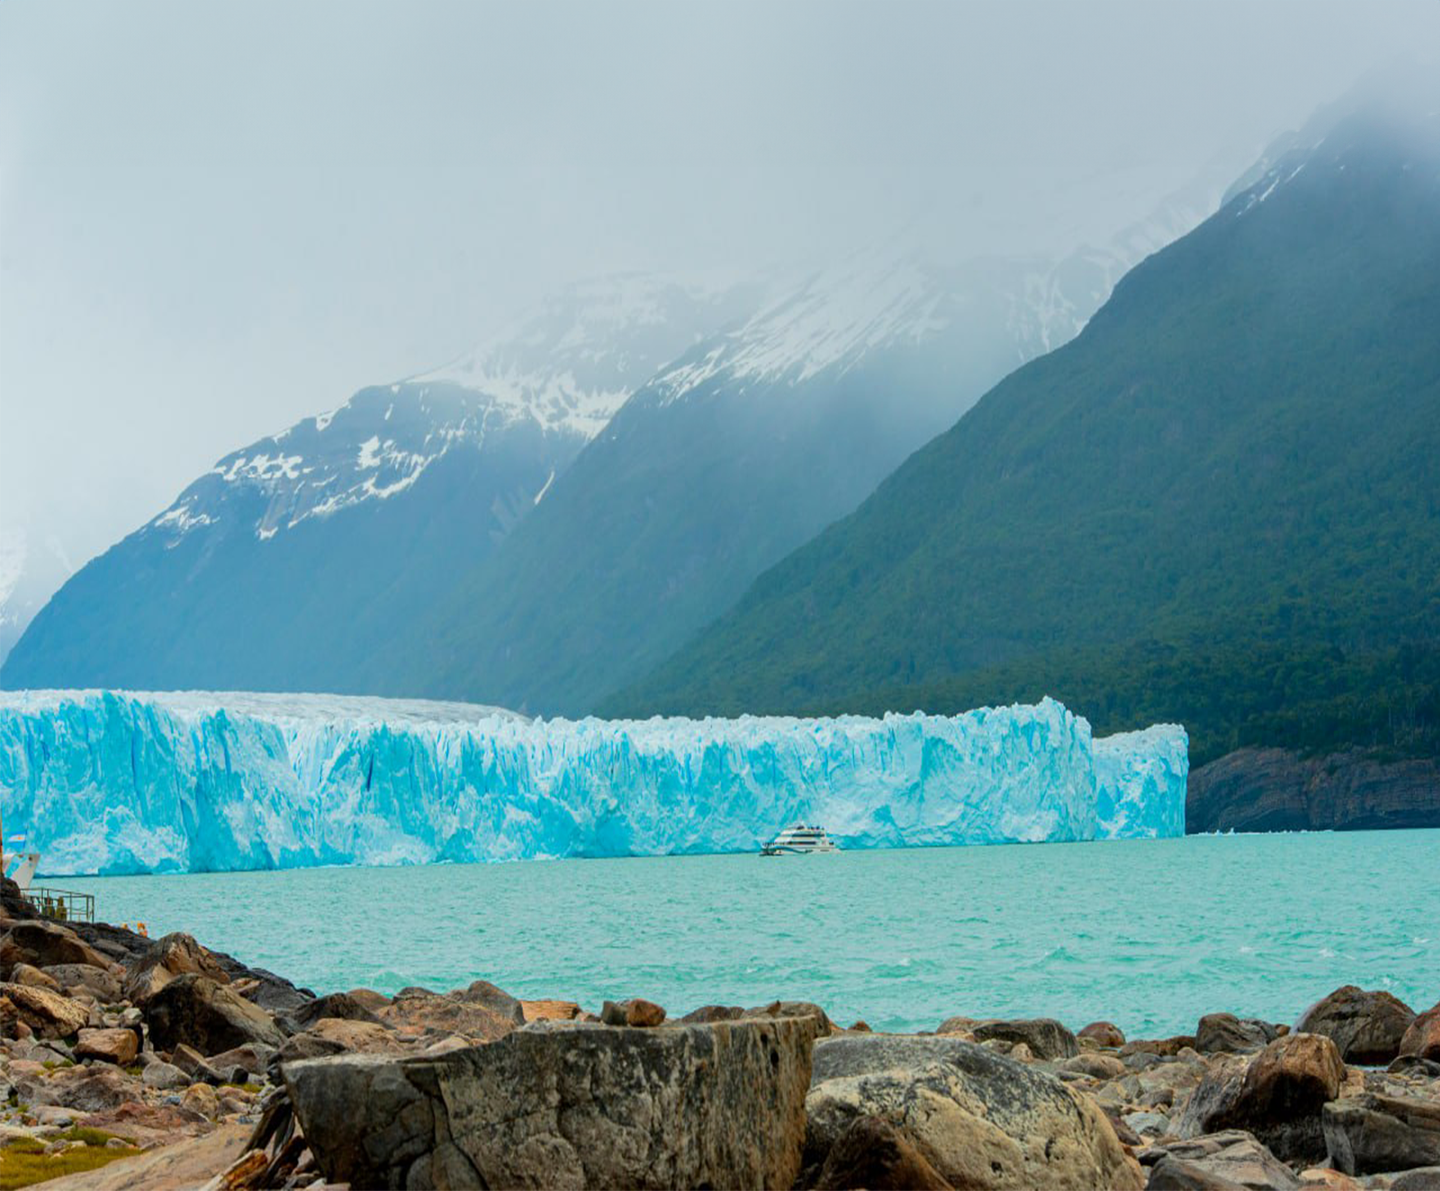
x,y
217,218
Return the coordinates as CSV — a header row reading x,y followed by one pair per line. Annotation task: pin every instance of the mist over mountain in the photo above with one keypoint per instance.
x,y
1215,506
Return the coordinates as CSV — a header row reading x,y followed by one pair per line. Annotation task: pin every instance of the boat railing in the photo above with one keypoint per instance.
x,y
62,905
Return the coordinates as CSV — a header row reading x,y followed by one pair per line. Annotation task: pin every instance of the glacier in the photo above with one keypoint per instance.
x,y
105,782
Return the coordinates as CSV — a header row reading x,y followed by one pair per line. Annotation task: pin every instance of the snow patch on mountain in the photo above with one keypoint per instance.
x,y
562,370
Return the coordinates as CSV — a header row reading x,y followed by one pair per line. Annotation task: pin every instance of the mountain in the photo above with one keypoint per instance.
x,y
732,456
289,563
1219,505
32,567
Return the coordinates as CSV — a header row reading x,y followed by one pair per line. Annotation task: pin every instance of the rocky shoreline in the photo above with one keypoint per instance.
x,y
159,1063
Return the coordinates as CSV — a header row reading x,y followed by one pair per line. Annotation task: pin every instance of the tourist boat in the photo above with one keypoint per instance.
x,y
799,841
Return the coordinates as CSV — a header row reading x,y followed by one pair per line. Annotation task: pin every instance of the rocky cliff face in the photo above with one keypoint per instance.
x,y
1279,790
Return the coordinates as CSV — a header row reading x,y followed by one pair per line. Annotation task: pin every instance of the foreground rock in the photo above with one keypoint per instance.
x,y
196,1011
1221,1160
1278,1096
979,1119
1369,1133
1422,1038
42,944
1366,1026
568,1106
873,1154
46,1013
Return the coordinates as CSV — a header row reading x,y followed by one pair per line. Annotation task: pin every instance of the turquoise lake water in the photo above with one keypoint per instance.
x,y
1149,934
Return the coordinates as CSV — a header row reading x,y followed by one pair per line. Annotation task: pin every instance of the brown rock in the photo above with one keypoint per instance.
x,y
48,1014
1368,1134
369,998
981,1120
85,1089
1366,1026
112,1046
1046,1038
1422,1038
170,956
1158,1046
550,1010
793,1009
1103,1033
1231,1159
211,1017
1322,1178
422,1012
335,1005
635,1012
1277,1096
709,1013
40,944
497,1000
1175,1174
86,978
873,1154
33,978
335,1036
1224,1033
572,1106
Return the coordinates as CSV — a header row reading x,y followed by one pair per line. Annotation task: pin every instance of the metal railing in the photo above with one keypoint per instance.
x,y
63,905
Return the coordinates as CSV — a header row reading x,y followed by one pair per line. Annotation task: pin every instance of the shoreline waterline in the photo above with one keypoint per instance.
x,y
1149,934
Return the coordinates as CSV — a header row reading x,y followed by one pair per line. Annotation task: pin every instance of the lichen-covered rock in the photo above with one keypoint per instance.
x,y
40,944
49,1014
1277,1096
568,1106
1367,1134
979,1119
196,1011
1366,1026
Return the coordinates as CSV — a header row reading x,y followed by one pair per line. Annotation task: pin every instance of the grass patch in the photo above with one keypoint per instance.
x,y
24,1161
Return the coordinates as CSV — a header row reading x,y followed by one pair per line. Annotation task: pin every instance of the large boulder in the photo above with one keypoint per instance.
x,y
577,1106
338,1036
1224,1033
170,956
42,944
210,1017
1422,1038
979,1119
1046,1037
1365,1025
1367,1134
1277,1096
1232,1159
482,992
47,1013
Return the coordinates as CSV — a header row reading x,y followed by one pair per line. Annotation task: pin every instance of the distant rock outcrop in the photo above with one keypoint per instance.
x,y
1280,790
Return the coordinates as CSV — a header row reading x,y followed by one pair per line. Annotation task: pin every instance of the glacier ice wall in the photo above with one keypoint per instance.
x,y
106,782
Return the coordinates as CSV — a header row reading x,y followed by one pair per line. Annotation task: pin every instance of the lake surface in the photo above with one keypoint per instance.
x,y
1149,934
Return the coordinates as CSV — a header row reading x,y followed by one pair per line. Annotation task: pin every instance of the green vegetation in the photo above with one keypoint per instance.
x,y
24,1162
1220,505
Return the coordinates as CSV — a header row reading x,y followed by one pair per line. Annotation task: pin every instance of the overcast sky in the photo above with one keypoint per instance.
x,y
217,218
